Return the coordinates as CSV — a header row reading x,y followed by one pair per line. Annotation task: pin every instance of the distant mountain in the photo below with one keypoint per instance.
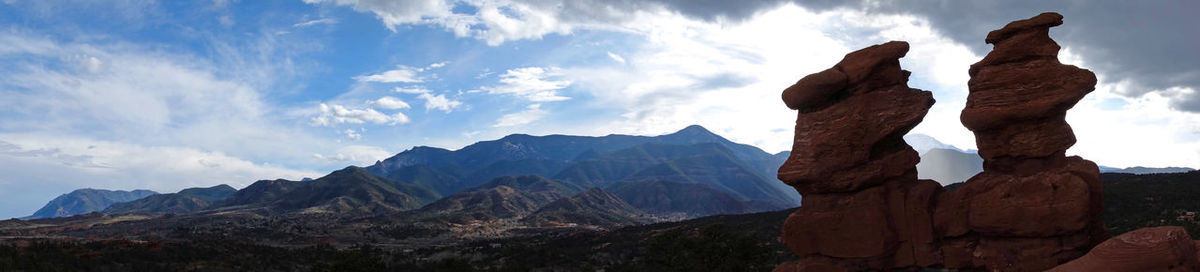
x,y
355,189
1145,170
721,171
532,183
262,192
482,205
665,198
421,174
539,167
84,201
924,143
584,160
949,166
593,207
351,189
187,200
502,197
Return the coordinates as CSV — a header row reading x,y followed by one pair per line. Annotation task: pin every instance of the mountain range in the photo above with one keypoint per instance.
x,y
531,180
591,161
187,200
519,179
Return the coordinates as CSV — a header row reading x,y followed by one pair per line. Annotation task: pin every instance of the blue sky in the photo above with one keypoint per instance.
x,y
175,94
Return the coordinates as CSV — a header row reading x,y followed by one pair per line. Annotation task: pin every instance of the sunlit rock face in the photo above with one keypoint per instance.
x,y
1031,209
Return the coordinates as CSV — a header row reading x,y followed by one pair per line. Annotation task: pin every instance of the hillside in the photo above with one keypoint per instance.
x,y
1133,201
259,192
187,200
84,201
593,207
354,189
667,198
481,205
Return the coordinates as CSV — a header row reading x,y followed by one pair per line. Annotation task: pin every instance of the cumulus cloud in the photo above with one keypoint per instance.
x,y
337,114
388,102
536,84
529,115
1150,46
432,102
353,135
439,102
1118,32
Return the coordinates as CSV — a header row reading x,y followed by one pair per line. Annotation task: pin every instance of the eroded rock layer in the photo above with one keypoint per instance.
x,y
863,206
1032,208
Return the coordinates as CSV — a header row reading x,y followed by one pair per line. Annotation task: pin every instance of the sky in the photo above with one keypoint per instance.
x,y
166,95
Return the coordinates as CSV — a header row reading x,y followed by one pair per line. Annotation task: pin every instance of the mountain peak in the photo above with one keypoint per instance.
x,y
694,134
694,129
348,170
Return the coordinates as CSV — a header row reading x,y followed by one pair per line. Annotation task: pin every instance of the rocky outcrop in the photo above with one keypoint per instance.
x,y
1031,209
863,207
1147,249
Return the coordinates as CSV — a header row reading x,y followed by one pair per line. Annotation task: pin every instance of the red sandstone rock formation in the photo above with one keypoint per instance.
x,y
1147,249
863,206
1031,209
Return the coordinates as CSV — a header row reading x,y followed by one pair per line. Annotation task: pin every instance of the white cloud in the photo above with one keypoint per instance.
x,y
728,77
388,102
131,94
336,114
411,90
356,154
724,77
402,73
394,13
529,115
439,102
616,57
353,135
536,84
436,65
315,22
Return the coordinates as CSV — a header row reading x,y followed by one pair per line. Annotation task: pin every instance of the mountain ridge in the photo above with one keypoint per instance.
x,y
186,200
82,201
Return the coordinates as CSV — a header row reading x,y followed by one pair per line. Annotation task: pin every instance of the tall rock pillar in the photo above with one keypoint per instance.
x,y
863,207
1032,207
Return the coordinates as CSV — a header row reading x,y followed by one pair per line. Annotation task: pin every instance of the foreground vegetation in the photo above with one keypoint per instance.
x,y
719,243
